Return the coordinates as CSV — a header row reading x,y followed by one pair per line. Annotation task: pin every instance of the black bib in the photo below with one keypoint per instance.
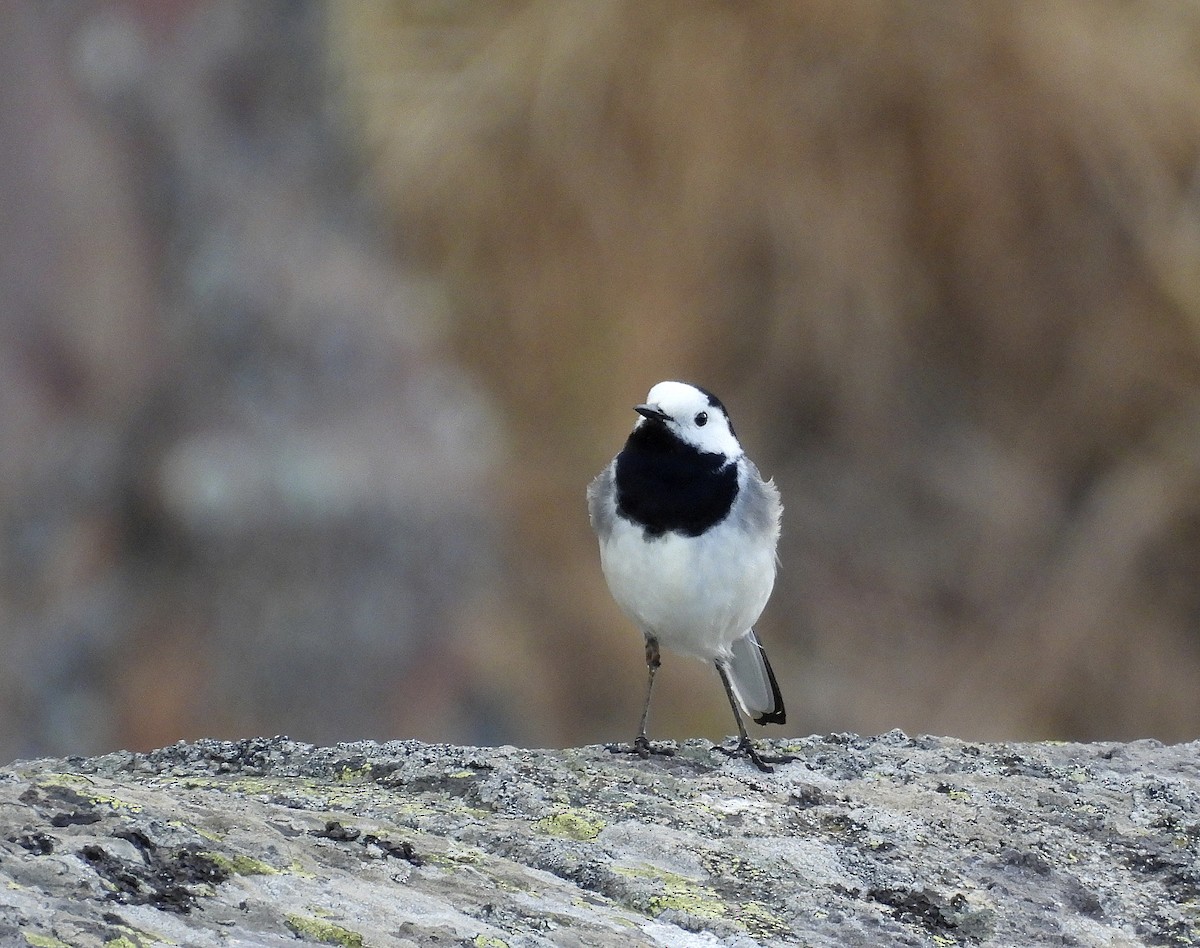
x,y
665,485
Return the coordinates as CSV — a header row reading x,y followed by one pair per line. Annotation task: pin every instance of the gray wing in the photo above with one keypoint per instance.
x,y
602,502
759,509
754,682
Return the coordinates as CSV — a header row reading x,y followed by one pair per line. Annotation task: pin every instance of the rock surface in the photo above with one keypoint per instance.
x,y
888,840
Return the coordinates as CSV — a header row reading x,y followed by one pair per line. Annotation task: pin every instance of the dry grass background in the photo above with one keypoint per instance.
x,y
283,280
941,260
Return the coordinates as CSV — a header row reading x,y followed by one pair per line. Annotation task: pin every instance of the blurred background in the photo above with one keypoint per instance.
x,y
316,318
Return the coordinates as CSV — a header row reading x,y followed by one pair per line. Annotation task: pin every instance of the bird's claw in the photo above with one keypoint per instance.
x,y
642,747
745,748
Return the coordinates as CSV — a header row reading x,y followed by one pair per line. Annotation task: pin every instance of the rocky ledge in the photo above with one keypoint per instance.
x,y
889,840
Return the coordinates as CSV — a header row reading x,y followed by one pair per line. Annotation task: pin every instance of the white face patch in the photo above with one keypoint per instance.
x,y
693,419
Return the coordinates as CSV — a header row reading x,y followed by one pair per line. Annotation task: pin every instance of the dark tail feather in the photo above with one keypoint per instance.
x,y
754,681
777,716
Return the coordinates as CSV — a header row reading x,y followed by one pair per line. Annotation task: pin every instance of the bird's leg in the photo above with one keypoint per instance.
x,y
653,660
745,745
641,745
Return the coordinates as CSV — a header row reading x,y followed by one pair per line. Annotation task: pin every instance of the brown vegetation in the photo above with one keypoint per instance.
x,y
941,260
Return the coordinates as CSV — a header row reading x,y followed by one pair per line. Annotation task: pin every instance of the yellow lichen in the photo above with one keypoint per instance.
x,y
325,932
761,922
679,893
42,941
241,865
571,824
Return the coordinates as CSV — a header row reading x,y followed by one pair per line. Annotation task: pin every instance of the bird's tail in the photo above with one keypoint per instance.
x,y
754,682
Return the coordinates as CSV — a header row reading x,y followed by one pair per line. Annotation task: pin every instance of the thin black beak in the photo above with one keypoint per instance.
x,y
649,411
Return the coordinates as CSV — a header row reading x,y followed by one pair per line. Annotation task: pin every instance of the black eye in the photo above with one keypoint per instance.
x,y
701,419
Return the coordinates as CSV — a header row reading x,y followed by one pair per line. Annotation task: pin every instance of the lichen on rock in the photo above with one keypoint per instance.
x,y
860,841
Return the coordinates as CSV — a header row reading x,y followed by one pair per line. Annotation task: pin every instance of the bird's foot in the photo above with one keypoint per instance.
x,y
745,748
642,747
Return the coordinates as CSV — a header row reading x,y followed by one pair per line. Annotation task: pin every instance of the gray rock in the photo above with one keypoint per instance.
x,y
888,840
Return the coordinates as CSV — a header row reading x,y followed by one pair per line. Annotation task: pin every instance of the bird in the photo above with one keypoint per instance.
x,y
688,530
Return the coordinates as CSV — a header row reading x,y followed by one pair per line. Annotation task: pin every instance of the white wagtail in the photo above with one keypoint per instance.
x,y
687,530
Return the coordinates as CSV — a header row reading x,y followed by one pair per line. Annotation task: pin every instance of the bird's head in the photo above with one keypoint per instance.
x,y
693,415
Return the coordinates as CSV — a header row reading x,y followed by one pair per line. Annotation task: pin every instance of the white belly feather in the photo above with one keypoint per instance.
x,y
696,595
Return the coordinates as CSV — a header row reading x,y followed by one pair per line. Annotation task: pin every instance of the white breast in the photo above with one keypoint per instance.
x,y
696,595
